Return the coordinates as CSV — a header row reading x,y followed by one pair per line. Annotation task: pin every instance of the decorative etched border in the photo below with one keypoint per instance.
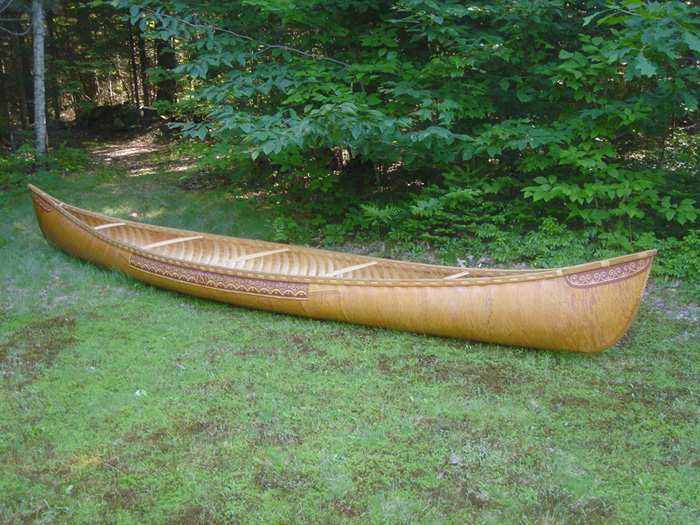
x,y
42,202
609,275
219,281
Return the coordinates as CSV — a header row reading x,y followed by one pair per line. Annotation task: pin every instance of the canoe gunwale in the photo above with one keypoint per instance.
x,y
500,277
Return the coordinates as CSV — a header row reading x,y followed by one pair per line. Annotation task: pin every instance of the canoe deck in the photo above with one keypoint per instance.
x,y
579,308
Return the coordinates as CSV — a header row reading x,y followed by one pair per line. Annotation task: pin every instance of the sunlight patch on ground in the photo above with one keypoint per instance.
x,y
140,172
246,196
152,170
134,160
127,152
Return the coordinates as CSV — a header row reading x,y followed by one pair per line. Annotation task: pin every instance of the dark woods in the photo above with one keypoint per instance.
x,y
92,58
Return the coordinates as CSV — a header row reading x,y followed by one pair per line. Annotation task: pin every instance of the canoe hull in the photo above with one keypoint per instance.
x,y
584,311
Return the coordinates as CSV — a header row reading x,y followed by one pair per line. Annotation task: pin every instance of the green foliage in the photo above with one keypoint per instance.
x,y
625,193
284,229
380,218
15,167
68,160
680,259
334,233
554,245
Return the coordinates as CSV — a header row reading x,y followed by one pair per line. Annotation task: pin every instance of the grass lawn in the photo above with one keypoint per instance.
x,y
120,403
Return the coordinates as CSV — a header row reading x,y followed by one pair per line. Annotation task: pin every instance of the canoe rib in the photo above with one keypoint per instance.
x,y
583,308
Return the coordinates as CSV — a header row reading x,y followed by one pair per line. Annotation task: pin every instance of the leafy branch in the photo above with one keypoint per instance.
x,y
137,17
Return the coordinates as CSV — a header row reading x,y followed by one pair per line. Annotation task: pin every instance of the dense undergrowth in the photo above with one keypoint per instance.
x,y
125,404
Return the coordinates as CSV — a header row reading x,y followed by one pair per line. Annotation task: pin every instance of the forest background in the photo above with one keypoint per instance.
x,y
543,131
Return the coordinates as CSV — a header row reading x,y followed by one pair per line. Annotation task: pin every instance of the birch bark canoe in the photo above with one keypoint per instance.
x,y
582,308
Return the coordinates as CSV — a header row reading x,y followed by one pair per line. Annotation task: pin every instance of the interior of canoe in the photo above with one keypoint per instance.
x,y
267,257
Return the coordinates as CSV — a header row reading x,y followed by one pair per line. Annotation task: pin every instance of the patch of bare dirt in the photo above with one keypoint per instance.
x,y
671,301
35,347
143,150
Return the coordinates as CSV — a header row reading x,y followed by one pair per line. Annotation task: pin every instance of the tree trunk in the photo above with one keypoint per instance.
x,y
145,64
24,80
51,82
117,64
166,89
134,69
6,105
88,76
39,89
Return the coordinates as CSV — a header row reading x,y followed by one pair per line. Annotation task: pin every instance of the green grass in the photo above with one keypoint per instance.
x,y
121,403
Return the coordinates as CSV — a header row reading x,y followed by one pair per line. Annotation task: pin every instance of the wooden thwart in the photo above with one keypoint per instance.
x,y
457,275
110,225
170,241
255,256
349,269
